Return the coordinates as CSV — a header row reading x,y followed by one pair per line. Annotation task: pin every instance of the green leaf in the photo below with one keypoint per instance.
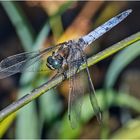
x,y
56,21
112,99
120,61
6,124
20,22
25,81
130,130
50,106
27,121
62,9
27,77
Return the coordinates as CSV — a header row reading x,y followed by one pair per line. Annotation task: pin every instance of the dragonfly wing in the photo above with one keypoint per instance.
x,y
76,94
92,93
76,91
14,64
20,62
93,99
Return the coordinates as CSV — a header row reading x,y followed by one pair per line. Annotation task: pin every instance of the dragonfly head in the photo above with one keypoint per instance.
x,y
54,62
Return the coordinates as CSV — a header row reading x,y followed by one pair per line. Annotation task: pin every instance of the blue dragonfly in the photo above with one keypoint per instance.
x,y
63,57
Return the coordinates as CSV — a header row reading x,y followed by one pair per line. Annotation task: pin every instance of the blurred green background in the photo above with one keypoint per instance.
x,y
32,25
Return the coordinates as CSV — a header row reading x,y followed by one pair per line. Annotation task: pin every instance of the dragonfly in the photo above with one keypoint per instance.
x,y
63,57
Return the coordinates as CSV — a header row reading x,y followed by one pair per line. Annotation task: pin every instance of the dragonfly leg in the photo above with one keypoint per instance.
x,y
64,75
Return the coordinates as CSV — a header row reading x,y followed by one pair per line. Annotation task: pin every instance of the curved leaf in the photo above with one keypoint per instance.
x,y
120,61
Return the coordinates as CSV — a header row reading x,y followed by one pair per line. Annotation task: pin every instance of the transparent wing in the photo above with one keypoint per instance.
x,y
93,99
76,94
23,61
92,94
77,89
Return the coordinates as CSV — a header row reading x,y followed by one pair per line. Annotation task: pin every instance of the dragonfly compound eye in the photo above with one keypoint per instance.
x,y
57,64
54,63
50,62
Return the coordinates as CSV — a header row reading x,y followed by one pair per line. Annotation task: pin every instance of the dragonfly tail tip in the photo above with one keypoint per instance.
x,y
129,11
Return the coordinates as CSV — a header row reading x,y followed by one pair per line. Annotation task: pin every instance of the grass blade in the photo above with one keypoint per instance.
x,y
20,22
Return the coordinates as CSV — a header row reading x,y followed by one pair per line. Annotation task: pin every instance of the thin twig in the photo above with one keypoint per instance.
x,y
52,83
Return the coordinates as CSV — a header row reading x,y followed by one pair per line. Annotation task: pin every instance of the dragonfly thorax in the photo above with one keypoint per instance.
x,y
54,62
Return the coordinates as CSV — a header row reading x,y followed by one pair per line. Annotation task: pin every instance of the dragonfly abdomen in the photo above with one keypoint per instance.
x,y
92,36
